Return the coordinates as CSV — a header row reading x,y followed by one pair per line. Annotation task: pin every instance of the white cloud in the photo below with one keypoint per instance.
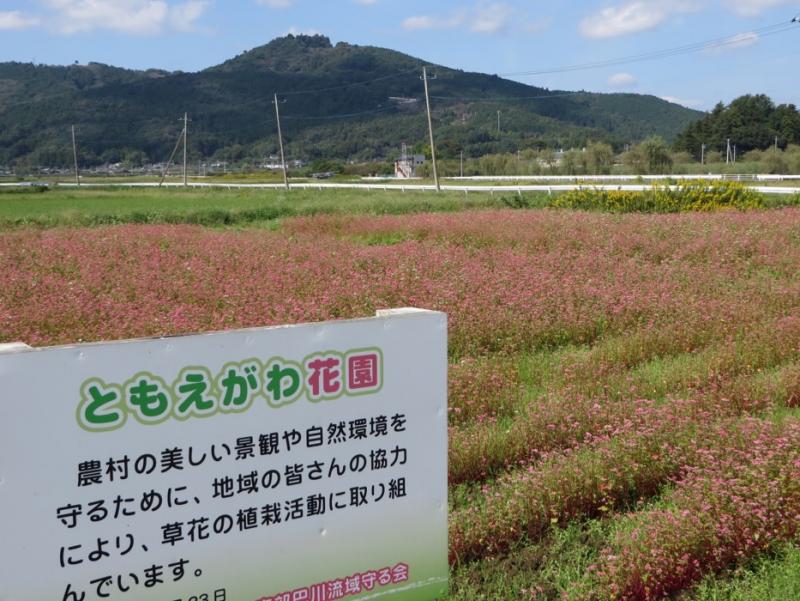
x,y
418,22
633,17
14,19
366,2
491,18
185,16
131,16
484,18
276,3
622,20
141,17
740,40
622,80
753,8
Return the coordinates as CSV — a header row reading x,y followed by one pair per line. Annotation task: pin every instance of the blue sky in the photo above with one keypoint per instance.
x,y
492,36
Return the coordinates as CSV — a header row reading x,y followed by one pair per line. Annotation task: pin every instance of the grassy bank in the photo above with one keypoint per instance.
x,y
53,207
90,207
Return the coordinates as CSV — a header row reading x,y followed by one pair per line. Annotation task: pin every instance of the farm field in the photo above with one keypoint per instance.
x,y
624,388
59,206
88,207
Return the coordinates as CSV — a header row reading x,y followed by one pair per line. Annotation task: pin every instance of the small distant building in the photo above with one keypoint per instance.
x,y
404,103
556,159
406,166
273,163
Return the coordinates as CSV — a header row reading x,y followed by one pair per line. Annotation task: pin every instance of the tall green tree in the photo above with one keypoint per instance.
x,y
751,122
657,155
600,158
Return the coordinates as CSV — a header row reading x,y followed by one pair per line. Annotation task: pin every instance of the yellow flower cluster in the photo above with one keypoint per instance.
x,y
686,196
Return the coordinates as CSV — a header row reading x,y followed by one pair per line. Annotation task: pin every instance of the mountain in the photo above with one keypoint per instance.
x,y
336,102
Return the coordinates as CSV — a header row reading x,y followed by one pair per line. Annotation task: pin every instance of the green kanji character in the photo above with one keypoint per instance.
x,y
238,385
191,388
147,398
100,406
284,380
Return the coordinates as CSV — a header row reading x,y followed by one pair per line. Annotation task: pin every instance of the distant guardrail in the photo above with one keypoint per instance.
x,y
491,189
742,177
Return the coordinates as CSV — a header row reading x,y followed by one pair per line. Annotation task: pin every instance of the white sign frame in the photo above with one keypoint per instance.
x,y
383,540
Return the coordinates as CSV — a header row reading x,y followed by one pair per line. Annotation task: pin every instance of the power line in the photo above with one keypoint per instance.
x,y
318,90
677,50
664,53
340,115
258,100
653,55
509,98
770,30
350,85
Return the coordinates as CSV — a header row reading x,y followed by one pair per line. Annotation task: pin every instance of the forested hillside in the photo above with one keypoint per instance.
x,y
342,101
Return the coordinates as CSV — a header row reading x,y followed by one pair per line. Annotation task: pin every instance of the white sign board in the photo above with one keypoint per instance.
x,y
297,463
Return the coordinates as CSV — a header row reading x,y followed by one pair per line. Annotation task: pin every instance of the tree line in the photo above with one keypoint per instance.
x,y
751,122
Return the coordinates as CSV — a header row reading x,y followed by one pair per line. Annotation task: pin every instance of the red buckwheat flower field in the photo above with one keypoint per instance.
x,y
624,388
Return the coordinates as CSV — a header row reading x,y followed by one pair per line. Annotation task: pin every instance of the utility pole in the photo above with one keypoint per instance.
x,y
728,152
430,127
181,137
776,143
75,157
702,154
185,139
462,163
498,122
280,140
734,154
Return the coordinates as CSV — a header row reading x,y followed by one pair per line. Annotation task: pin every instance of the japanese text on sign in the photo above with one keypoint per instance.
x,y
198,393
301,463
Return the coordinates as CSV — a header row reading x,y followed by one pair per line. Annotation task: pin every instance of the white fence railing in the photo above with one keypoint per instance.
x,y
376,186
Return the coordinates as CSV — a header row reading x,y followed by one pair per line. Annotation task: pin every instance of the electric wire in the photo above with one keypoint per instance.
x,y
663,53
722,42
340,115
509,98
349,85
